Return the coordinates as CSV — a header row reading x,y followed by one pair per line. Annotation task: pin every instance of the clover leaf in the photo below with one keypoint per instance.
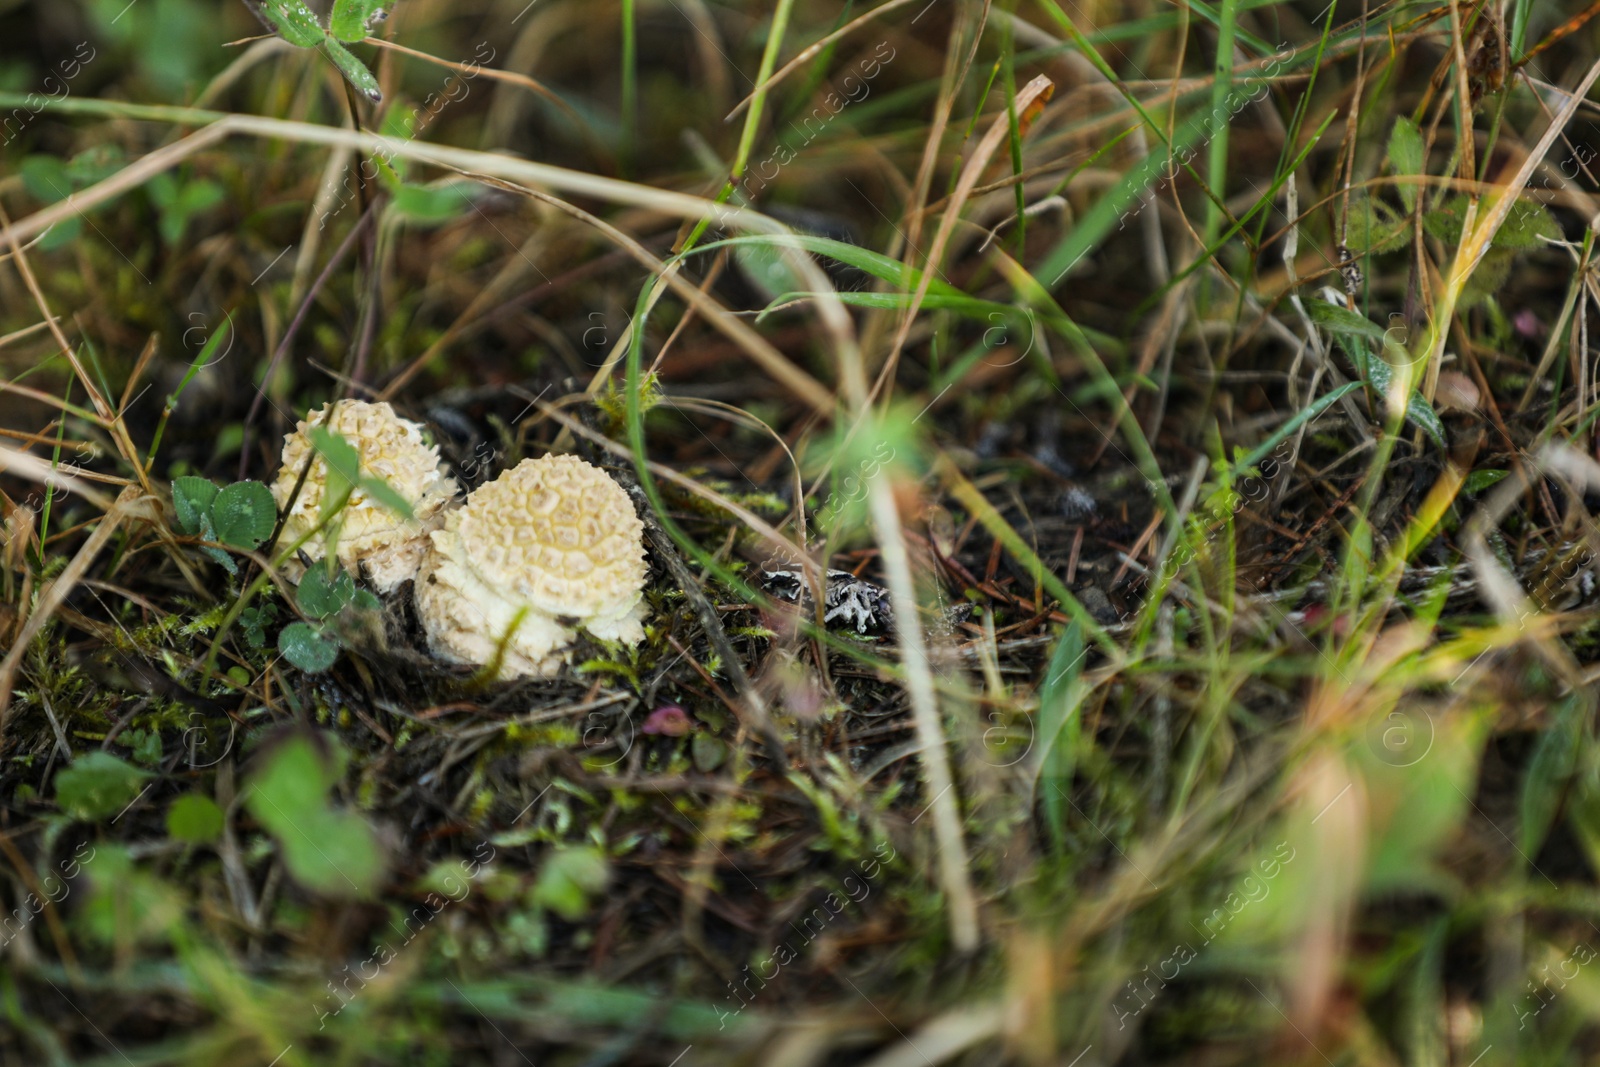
x,y
296,23
304,646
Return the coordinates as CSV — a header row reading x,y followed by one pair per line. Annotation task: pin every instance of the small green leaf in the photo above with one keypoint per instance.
x,y
1372,226
1478,481
195,818
1420,414
708,752
344,464
98,785
244,514
1527,225
876,264
198,195
428,204
1353,331
295,23
322,594
1489,277
96,164
191,499
162,190
46,178
183,203
342,457
335,853
209,533
1555,756
354,71
352,19
62,234
770,268
254,621
568,879
399,123
296,778
1406,156
330,851
293,20
1337,320
387,495
1059,747
307,649
129,903
1445,221
1424,804
222,559
145,745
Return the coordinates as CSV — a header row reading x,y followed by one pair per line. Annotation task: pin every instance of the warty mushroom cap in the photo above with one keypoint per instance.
x,y
389,546
555,539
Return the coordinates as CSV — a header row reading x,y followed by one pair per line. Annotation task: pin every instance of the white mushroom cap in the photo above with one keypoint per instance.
x,y
555,539
389,546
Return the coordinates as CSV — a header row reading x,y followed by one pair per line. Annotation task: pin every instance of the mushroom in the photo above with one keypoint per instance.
x,y
550,546
387,545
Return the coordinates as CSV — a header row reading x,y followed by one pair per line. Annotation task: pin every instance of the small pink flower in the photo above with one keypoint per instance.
x,y
1527,324
668,720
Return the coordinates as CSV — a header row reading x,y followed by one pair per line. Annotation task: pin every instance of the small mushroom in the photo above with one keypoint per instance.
x,y
550,546
387,545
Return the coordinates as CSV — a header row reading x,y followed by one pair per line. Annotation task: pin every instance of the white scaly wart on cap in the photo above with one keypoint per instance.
x,y
554,540
373,538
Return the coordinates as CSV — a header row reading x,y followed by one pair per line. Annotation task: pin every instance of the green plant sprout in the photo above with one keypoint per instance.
x,y
322,597
349,22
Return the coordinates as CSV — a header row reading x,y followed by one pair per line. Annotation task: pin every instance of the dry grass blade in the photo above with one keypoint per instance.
x,y
35,469
954,873
493,164
54,401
